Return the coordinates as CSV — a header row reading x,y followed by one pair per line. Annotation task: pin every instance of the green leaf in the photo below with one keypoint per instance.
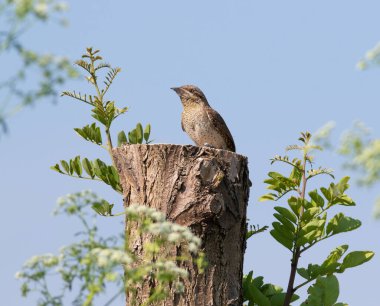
x,y
331,263
303,273
278,299
295,204
103,208
316,198
327,193
314,172
258,297
87,166
258,281
267,197
121,139
100,169
147,132
324,292
81,133
66,167
107,174
307,205
77,166
342,186
356,258
310,214
255,292
295,177
56,168
311,231
90,133
340,224
311,272
270,289
283,230
132,136
335,193
288,224
286,213
247,279
139,133
255,230
282,239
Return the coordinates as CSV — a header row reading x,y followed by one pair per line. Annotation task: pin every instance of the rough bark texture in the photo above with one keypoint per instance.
x,y
204,188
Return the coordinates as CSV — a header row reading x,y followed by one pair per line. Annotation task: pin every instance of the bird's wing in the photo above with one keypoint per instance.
x,y
221,126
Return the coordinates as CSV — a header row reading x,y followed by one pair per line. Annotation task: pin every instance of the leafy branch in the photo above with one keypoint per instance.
x,y
49,71
105,112
304,224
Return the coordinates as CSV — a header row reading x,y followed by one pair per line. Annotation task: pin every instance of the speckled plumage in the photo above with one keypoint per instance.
x,y
203,124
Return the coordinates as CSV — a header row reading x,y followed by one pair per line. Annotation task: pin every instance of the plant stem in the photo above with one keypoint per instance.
x,y
100,97
297,251
303,284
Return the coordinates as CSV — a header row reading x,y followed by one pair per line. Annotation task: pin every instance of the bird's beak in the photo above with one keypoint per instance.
x,y
177,90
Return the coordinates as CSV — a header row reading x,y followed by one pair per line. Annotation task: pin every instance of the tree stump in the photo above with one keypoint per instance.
x,y
205,189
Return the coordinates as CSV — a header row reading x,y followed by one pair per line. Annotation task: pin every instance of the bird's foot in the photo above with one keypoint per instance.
x,y
208,145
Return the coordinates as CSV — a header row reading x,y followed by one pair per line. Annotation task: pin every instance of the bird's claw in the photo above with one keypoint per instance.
x,y
208,145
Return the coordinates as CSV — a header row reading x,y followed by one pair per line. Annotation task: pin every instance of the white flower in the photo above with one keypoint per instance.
x,y
19,275
179,228
179,287
61,6
361,65
50,261
188,235
197,241
102,261
32,262
157,216
174,237
193,247
41,9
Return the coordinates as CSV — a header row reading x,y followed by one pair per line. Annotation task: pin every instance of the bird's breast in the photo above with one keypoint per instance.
x,y
199,127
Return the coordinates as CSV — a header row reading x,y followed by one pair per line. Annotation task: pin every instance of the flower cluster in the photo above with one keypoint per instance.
x,y
96,261
39,8
372,56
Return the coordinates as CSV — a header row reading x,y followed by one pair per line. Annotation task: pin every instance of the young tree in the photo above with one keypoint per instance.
x,y
302,225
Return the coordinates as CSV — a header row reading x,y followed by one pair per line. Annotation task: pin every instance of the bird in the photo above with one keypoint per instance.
x,y
201,122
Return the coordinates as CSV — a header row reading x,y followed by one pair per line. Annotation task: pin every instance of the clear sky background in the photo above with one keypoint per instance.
x,y
271,68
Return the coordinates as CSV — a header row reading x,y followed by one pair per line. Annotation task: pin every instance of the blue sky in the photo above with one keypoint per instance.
x,y
272,69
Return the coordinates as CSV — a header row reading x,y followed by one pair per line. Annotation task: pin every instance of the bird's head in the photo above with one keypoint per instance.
x,y
191,95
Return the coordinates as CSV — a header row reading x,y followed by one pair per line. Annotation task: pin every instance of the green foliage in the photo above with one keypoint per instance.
x,y
257,293
90,133
86,267
95,261
104,112
253,230
325,292
50,71
137,135
361,152
304,224
95,170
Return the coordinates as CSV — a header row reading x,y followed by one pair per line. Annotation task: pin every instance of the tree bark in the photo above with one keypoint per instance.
x,y
205,189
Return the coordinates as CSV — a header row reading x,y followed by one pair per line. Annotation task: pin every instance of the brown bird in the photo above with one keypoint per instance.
x,y
203,124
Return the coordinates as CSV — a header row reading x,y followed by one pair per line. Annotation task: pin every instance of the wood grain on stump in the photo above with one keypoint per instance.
x,y
205,189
